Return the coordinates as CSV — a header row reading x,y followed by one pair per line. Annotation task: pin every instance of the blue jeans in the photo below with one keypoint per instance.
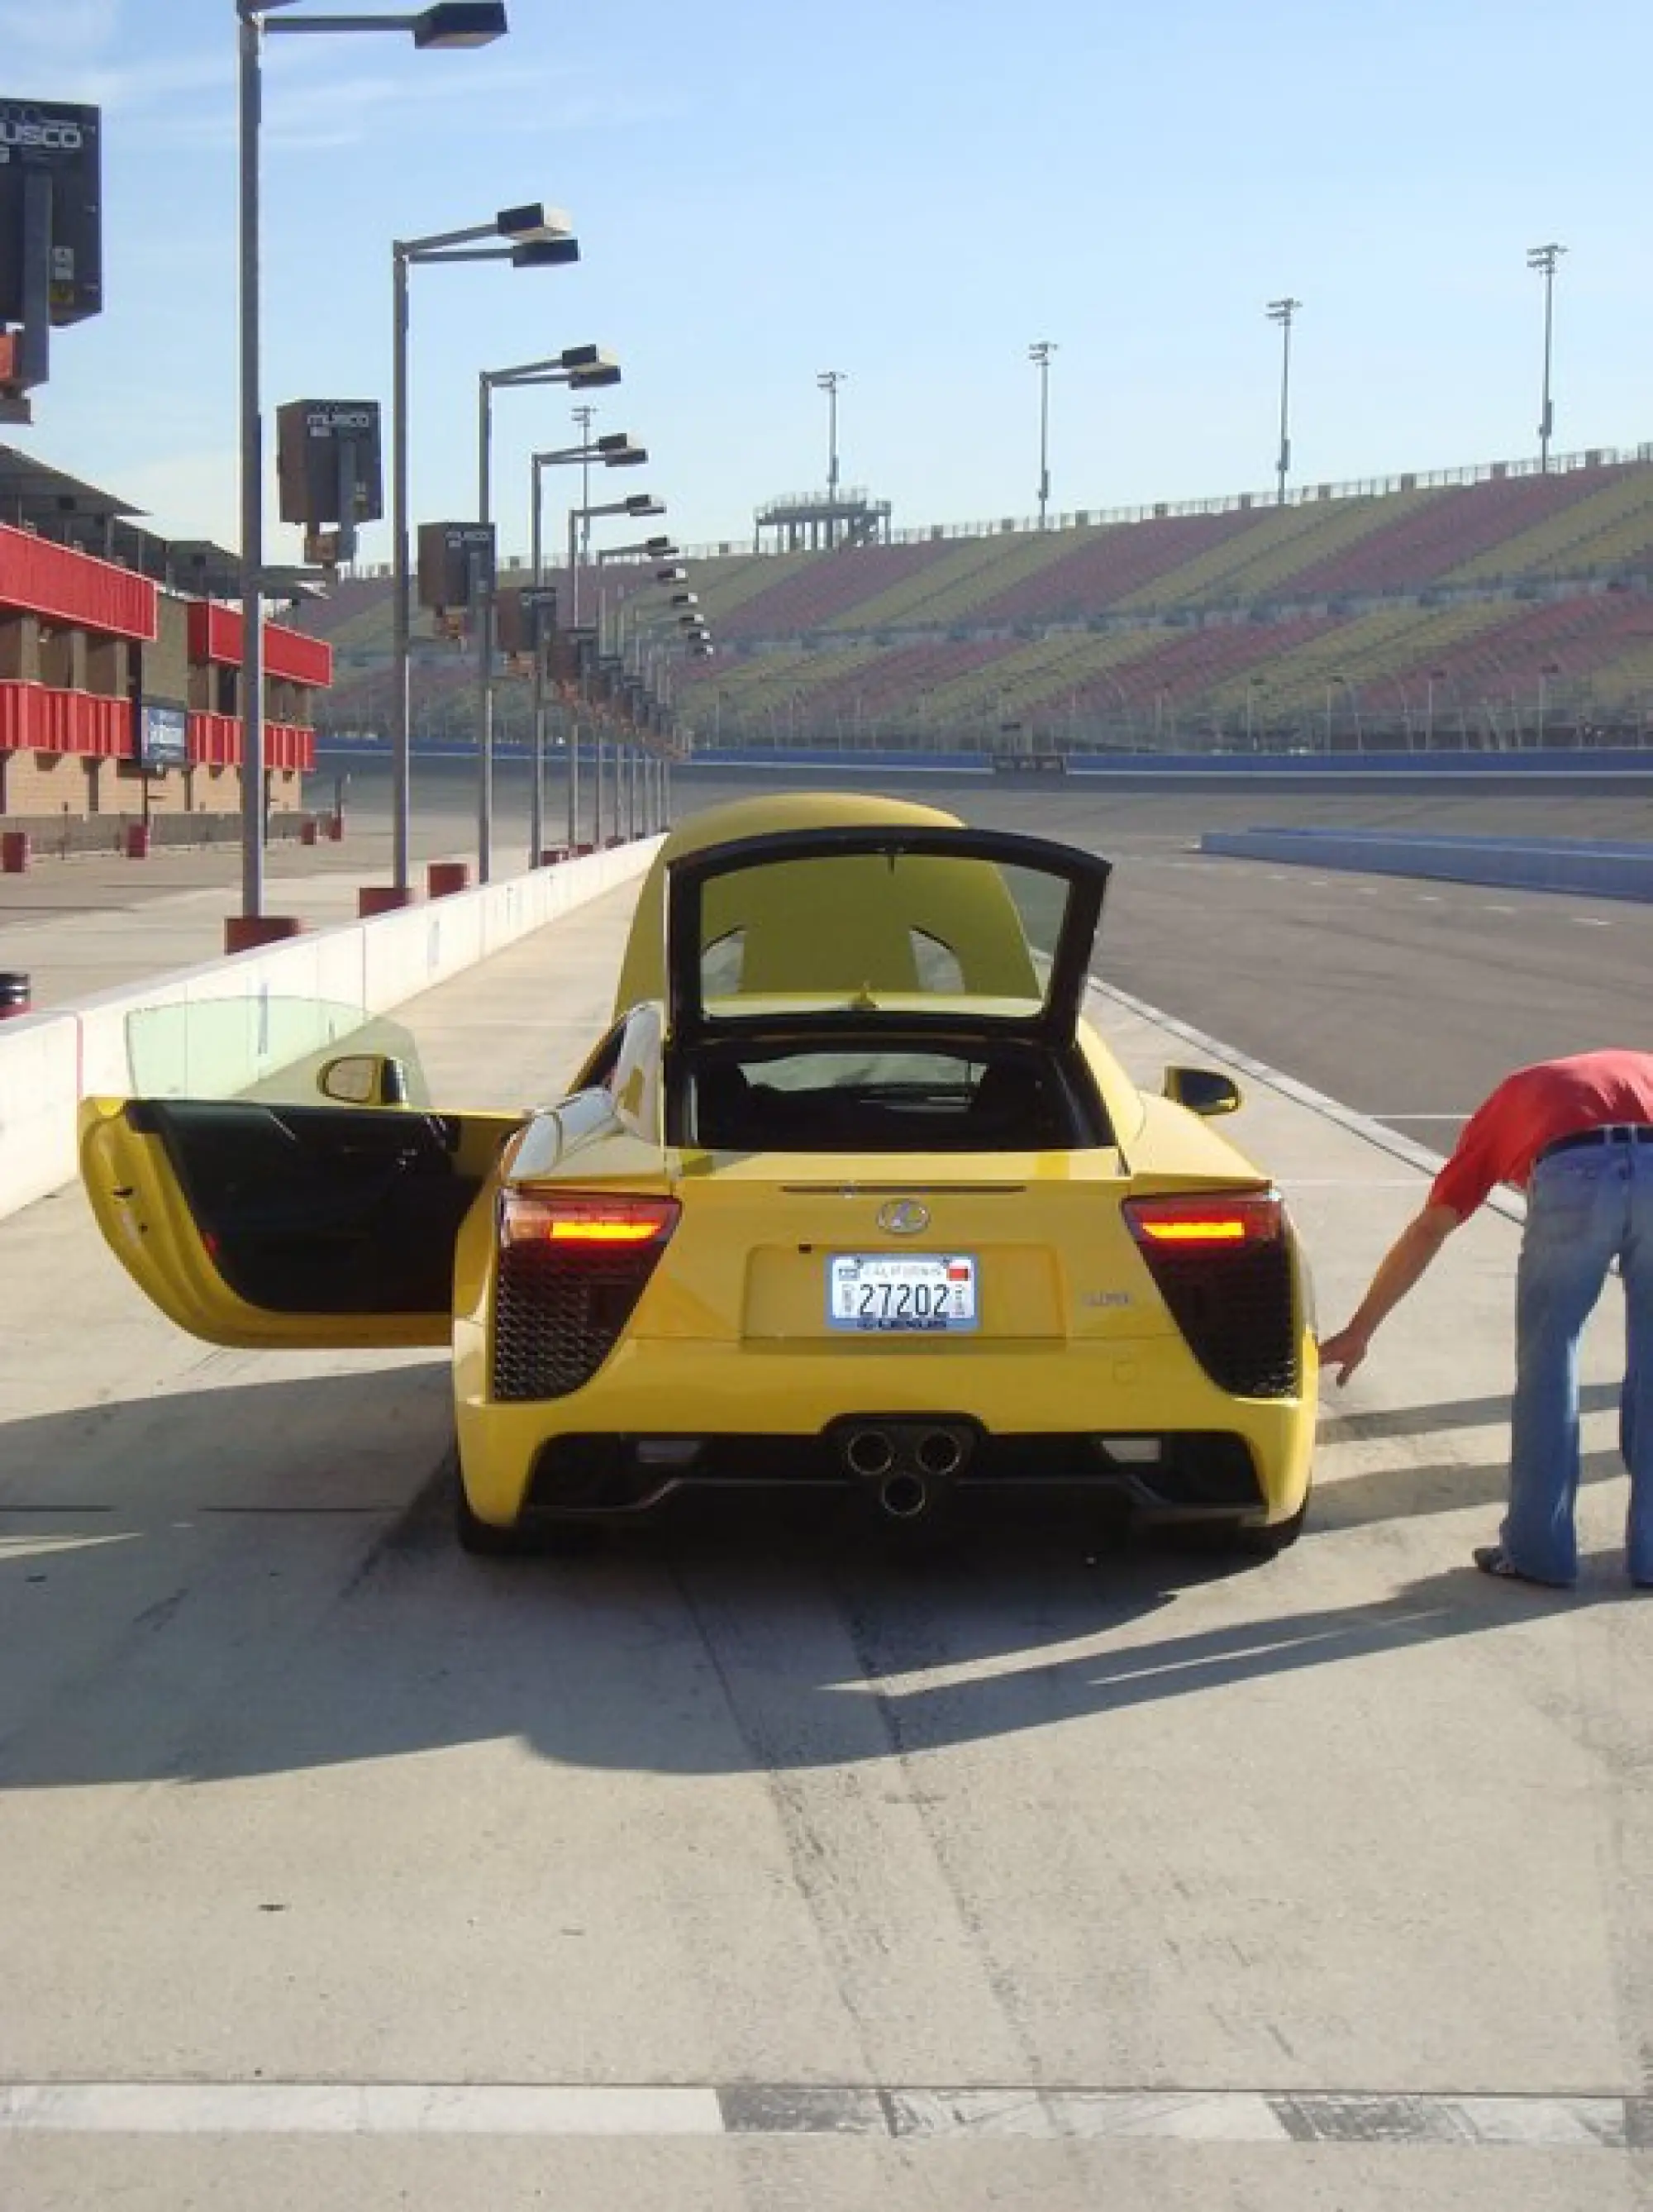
x,y
1585,1207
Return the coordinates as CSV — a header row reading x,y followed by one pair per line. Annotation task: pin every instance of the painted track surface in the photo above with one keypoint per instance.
x,y
749,1865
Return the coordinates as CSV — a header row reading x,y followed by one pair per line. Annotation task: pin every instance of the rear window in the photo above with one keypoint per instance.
x,y
863,1098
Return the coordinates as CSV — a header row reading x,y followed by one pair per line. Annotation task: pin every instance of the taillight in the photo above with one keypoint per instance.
x,y
1245,1217
571,1219
572,1265
1222,1261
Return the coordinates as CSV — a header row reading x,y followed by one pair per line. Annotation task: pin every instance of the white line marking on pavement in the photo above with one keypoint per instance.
x,y
1590,921
302,2108
504,2109
1498,909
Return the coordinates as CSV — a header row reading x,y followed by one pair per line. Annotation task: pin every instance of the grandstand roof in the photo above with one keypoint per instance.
x,y
63,508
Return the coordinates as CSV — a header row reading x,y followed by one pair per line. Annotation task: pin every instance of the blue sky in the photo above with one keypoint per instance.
x,y
908,191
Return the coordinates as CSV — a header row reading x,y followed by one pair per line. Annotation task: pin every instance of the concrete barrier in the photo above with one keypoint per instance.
x,y
1587,867
50,1060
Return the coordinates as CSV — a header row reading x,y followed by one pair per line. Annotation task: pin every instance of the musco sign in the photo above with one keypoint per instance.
x,y
50,149
327,462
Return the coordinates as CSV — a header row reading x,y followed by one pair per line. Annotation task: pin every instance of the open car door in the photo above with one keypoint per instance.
x,y
280,1218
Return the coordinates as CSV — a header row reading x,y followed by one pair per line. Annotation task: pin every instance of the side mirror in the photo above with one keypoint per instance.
x,y
1202,1090
364,1079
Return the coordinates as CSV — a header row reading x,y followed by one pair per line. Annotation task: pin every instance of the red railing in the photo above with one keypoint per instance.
x,y
34,720
73,589
215,742
215,635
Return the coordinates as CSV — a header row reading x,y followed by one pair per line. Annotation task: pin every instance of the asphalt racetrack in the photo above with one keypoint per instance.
x,y
752,1865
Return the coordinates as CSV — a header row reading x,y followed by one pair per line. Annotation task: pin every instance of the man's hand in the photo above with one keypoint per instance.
x,y
1398,1270
1344,1350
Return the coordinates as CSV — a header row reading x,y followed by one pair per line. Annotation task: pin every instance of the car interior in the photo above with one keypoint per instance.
x,y
847,1100
320,1209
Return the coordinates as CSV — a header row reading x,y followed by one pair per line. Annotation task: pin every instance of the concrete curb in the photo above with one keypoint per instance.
x,y
1590,869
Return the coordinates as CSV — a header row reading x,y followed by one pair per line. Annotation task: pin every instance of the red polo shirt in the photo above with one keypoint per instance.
x,y
1533,1106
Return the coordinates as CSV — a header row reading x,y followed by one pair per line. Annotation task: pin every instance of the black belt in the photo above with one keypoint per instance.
x,y
1611,1132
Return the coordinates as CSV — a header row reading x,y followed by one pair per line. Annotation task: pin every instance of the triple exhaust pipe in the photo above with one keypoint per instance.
x,y
908,1464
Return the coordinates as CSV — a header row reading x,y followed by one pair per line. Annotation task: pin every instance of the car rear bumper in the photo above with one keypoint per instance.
x,y
664,1418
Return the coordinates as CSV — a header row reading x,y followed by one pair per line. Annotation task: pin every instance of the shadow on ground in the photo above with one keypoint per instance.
x,y
267,1614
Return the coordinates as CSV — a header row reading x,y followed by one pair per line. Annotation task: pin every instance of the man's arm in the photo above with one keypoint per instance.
x,y
1397,1271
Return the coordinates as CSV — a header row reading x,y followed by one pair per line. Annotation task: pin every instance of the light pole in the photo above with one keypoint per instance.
x,y
435,27
1253,685
634,618
652,671
1550,668
640,503
615,451
1406,713
1352,690
1281,312
531,237
696,639
828,380
1040,354
1543,258
580,367
583,419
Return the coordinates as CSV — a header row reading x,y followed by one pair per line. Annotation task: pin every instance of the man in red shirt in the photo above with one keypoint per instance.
x,y
1577,1135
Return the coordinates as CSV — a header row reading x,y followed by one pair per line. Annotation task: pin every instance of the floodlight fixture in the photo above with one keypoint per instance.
x,y
533,223
460,23
545,253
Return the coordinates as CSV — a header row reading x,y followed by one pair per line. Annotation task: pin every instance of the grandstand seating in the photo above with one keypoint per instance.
x,y
1107,563
1280,542
1585,536
952,592
949,580
1370,654
814,588
1425,541
1233,615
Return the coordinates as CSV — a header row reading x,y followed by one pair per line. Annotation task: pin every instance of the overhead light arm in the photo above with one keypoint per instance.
x,y
455,24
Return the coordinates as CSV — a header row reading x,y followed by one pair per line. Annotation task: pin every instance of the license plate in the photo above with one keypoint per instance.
x,y
905,1294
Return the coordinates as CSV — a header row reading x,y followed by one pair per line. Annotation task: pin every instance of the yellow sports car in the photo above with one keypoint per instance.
x,y
851,1194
